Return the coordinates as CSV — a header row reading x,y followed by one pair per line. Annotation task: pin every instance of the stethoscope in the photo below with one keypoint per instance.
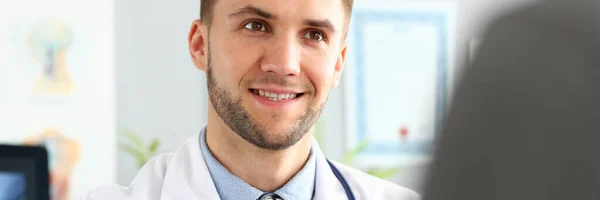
x,y
342,180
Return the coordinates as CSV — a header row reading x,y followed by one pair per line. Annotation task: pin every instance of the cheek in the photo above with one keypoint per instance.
x,y
233,59
320,72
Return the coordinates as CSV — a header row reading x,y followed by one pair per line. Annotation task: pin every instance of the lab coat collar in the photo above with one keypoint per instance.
x,y
327,186
187,176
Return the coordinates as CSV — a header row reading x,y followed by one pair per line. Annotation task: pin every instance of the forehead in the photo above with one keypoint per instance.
x,y
331,10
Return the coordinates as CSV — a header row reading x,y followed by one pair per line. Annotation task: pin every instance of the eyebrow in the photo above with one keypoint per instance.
x,y
325,24
251,10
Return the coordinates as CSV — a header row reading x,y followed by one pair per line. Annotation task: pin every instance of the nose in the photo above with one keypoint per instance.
x,y
282,56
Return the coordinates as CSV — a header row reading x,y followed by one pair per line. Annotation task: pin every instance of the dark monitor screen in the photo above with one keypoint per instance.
x,y
23,173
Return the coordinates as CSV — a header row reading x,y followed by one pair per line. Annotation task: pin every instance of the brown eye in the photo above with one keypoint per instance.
x,y
255,26
314,35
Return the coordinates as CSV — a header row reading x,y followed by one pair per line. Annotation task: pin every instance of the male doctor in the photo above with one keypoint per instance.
x,y
270,66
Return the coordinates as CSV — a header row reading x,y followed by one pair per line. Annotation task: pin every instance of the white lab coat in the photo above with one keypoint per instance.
x,y
184,175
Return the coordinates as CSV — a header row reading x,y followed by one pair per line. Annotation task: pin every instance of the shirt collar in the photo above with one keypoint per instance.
x,y
230,187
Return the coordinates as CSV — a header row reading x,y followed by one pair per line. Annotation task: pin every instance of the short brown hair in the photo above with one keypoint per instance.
x,y
206,10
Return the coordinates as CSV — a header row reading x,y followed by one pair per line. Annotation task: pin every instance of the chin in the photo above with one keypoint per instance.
x,y
276,138
276,131
279,140
276,121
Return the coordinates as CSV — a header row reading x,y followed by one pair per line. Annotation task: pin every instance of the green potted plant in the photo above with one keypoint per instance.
x,y
135,147
380,172
350,156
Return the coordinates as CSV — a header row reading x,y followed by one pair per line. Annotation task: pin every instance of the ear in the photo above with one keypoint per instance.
x,y
198,44
339,67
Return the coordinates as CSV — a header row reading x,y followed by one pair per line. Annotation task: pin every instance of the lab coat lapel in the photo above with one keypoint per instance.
x,y
187,175
327,185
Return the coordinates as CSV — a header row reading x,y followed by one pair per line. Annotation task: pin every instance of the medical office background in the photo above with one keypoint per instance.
x,y
127,89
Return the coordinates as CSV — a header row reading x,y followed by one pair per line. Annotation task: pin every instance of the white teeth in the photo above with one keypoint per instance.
x,y
274,96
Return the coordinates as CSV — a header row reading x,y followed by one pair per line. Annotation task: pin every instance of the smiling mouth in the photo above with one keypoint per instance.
x,y
276,96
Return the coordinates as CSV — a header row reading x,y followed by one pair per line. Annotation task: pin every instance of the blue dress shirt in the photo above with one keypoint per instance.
x,y
230,187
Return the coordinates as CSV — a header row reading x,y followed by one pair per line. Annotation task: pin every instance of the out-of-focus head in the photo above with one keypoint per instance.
x,y
270,64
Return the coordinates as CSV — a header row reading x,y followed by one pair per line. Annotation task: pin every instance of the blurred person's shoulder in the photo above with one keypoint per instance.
x,y
547,20
146,185
366,186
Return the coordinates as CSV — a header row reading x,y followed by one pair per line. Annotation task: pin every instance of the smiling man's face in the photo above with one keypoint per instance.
x,y
271,64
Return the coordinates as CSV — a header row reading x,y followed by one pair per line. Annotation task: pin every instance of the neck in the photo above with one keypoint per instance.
x,y
267,170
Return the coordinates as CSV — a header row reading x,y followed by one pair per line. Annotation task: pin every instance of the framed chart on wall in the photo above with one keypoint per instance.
x,y
397,80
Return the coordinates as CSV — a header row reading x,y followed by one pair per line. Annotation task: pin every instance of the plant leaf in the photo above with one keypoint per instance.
x,y
154,146
135,139
384,173
136,153
351,155
373,171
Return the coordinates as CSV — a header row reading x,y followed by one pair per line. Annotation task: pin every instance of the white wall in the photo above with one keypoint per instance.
x,y
160,93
